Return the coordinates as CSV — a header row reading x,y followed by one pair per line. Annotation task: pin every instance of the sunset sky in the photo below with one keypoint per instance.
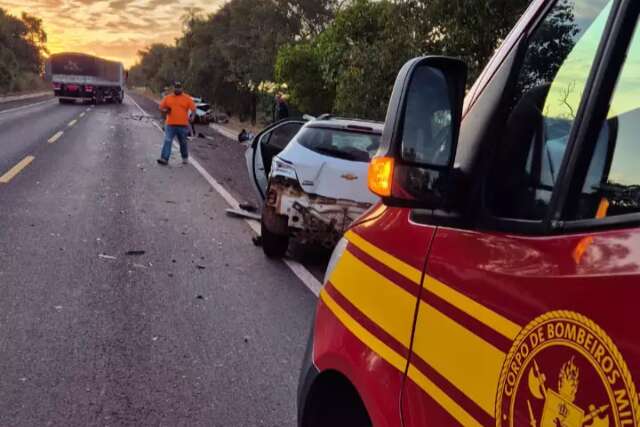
x,y
114,29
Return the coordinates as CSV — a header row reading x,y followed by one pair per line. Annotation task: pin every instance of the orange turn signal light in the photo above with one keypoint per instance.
x,y
381,176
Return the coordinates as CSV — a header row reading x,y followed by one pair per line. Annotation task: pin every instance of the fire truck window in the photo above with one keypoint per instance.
x,y
612,184
542,108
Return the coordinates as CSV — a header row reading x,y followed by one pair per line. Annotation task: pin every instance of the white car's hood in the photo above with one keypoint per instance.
x,y
329,176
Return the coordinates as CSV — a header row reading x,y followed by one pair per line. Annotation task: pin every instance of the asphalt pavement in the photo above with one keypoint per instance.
x,y
127,296
224,159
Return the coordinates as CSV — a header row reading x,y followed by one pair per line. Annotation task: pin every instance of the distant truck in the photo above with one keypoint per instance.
x,y
85,78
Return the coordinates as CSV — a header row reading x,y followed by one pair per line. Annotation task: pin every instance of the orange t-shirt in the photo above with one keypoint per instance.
x,y
180,106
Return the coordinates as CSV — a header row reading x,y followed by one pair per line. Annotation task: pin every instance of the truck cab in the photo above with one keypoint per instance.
x,y
498,280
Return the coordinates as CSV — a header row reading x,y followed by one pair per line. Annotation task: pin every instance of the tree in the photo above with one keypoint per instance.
x,y
158,66
22,49
230,55
300,66
471,30
350,67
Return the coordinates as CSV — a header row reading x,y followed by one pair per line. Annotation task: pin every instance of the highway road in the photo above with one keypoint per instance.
x,y
127,296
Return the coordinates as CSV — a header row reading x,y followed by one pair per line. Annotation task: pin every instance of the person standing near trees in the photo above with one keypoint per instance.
x,y
176,107
281,109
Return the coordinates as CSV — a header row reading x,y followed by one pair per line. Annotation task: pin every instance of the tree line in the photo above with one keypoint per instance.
x,y
325,55
22,51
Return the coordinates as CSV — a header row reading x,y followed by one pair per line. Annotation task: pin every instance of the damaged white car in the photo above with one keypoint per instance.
x,y
312,177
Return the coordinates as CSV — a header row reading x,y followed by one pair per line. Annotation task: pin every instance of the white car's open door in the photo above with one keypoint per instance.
x,y
264,147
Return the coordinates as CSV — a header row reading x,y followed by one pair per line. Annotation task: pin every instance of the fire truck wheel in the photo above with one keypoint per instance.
x,y
334,402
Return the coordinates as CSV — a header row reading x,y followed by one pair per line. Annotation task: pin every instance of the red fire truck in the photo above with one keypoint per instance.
x,y
498,281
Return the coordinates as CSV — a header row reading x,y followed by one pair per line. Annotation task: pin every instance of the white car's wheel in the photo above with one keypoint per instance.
x,y
274,244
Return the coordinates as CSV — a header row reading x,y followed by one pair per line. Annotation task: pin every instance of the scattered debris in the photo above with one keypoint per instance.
x,y
199,297
173,261
241,213
200,267
171,202
105,256
246,338
154,339
135,253
170,274
140,266
248,206
58,307
245,135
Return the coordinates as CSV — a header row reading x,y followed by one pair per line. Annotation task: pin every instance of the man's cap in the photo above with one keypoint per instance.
x,y
177,85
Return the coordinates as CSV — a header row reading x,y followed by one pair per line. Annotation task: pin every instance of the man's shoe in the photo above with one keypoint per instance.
x,y
185,161
163,162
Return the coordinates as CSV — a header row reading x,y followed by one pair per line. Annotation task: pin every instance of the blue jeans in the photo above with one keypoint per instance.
x,y
171,132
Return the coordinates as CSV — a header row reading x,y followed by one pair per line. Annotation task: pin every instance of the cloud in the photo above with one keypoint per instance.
x,y
120,4
115,29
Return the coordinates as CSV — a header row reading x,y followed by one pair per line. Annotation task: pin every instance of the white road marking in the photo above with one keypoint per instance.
x,y
72,122
55,137
82,114
298,269
24,107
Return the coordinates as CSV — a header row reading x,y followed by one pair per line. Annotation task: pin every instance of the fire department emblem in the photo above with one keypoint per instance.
x,y
564,371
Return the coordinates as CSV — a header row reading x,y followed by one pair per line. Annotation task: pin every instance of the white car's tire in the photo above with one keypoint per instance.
x,y
274,244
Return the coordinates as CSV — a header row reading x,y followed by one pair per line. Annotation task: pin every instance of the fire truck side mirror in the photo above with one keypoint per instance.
x,y
414,165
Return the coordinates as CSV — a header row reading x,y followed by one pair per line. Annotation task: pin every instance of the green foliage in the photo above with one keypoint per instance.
x,y
22,49
471,30
362,51
229,55
299,65
354,61
337,56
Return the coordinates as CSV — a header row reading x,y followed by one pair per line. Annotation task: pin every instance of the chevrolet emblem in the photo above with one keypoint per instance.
x,y
349,177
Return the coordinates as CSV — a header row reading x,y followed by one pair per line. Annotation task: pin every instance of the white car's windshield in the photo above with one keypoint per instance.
x,y
338,143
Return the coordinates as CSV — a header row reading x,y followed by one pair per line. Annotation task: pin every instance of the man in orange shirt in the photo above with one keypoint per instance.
x,y
176,108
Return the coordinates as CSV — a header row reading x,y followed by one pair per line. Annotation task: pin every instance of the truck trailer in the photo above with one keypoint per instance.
x,y
85,78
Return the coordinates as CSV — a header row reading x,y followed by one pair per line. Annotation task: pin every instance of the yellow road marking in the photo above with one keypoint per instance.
x,y
11,173
72,122
55,137
82,114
